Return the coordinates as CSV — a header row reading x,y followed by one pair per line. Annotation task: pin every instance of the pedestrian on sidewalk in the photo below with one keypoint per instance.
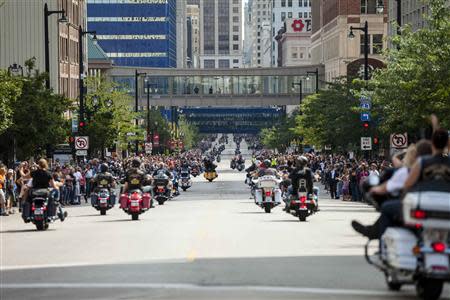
x,y
3,211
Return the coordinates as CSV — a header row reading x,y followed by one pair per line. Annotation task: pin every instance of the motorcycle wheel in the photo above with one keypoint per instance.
x,y
102,211
161,202
135,217
391,283
184,189
429,289
267,208
302,215
41,225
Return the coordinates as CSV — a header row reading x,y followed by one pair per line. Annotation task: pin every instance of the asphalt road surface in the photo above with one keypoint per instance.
x,y
212,242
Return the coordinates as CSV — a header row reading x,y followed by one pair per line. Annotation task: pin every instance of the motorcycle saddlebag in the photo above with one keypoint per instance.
x,y
429,208
396,248
146,201
123,200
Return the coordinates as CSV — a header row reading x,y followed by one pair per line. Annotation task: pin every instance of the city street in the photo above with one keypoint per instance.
x,y
212,242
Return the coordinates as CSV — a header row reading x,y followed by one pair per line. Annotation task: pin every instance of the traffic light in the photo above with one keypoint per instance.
x,y
81,124
375,141
366,125
71,139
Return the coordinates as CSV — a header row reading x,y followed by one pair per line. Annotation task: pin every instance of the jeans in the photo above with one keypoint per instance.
x,y
354,191
339,189
391,214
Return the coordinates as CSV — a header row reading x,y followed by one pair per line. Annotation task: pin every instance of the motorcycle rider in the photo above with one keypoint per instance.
x,y
300,172
41,179
104,179
163,170
209,165
134,177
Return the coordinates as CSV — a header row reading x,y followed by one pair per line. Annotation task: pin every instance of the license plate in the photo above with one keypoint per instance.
x,y
134,203
38,211
436,261
103,201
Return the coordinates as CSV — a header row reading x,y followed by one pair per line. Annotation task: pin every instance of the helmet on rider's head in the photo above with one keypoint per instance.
x,y
136,163
267,163
104,168
301,161
257,163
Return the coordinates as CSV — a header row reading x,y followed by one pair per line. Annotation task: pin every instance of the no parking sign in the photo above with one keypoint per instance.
x,y
81,143
399,140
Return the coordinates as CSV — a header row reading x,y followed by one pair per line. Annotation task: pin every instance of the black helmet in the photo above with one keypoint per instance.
x,y
136,163
104,168
301,161
267,163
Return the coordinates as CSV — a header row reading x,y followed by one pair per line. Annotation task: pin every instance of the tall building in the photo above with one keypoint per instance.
x,y
136,33
331,45
220,33
261,32
296,43
193,15
288,9
248,34
181,35
22,37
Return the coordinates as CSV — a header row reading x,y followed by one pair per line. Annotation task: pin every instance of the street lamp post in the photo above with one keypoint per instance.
x,y
316,74
136,104
81,33
148,85
351,35
14,69
63,19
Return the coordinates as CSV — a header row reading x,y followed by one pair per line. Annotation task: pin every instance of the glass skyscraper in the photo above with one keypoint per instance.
x,y
136,32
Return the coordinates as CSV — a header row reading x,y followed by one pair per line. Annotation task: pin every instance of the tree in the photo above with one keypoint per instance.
x,y
10,90
332,117
188,133
280,136
109,115
416,80
38,121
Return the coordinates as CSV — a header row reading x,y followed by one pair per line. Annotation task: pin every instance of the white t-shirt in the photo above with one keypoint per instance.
x,y
396,183
77,176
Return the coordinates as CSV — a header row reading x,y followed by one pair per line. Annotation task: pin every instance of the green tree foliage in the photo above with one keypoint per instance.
x,y
416,80
332,117
38,120
109,115
188,133
10,90
280,136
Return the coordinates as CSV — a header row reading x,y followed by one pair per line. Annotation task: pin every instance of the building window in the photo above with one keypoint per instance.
x,y
361,42
377,43
294,54
236,28
368,6
300,3
235,61
235,37
305,3
236,10
305,14
236,19
290,15
209,63
289,3
259,61
235,47
283,16
224,63
283,3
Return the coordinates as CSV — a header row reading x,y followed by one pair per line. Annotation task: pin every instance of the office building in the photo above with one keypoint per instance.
x,y
22,37
330,42
220,33
296,43
287,9
260,12
137,33
193,21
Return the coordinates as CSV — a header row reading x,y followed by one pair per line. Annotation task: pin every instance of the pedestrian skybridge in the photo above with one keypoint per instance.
x,y
245,87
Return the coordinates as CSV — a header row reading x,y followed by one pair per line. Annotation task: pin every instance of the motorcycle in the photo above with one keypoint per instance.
x,y
304,205
136,202
160,188
218,158
102,200
419,252
233,164
40,215
241,167
267,192
210,175
185,181
195,171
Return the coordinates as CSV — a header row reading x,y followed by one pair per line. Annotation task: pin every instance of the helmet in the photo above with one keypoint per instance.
x,y
267,163
136,163
257,163
301,161
104,168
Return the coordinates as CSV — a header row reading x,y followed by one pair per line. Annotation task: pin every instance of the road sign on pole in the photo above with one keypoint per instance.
x,y
365,117
81,143
81,153
366,143
148,148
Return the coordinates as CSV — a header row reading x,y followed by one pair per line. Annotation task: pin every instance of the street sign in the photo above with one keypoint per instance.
x,y
81,143
148,148
131,134
365,105
75,124
365,117
399,140
365,99
81,153
327,147
366,143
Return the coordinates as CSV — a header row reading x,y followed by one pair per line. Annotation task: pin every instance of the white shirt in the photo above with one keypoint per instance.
x,y
397,181
77,176
374,172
